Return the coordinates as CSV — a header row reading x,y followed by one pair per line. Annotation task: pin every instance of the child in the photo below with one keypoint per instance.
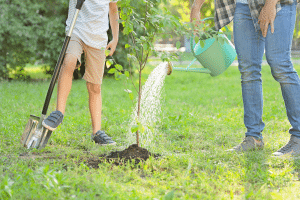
x,y
89,37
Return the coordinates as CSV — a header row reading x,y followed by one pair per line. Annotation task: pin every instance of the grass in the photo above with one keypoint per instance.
x,y
201,117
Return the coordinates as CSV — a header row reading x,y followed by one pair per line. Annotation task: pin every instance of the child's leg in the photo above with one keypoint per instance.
x,y
73,54
65,81
95,104
94,69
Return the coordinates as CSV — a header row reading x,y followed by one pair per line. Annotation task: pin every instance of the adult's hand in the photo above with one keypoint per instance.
x,y
195,14
267,16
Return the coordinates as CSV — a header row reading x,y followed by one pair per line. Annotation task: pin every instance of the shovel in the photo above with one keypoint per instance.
x,y
35,135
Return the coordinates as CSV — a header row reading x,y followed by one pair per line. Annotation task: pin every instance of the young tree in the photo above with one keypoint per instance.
x,y
143,21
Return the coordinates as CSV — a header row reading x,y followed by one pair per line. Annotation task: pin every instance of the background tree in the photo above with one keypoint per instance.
x,y
30,30
18,23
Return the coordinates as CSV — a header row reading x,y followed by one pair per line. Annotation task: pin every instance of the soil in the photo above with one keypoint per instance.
x,y
133,152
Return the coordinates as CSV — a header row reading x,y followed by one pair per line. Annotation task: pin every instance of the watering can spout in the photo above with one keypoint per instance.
x,y
170,68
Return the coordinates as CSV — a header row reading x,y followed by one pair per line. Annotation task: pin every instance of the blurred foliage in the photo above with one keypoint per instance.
x,y
34,30
30,30
181,9
17,27
52,33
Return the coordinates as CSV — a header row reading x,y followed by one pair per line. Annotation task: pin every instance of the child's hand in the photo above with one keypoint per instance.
x,y
112,45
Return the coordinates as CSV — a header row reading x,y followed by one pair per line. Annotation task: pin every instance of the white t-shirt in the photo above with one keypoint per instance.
x,y
92,22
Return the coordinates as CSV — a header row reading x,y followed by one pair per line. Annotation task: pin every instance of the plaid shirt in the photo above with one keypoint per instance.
x,y
224,11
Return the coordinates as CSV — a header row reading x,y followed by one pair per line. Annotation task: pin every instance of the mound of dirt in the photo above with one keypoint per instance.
x,y
134,152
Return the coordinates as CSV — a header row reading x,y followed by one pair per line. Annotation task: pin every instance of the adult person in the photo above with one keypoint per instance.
x,y
89,37
260,25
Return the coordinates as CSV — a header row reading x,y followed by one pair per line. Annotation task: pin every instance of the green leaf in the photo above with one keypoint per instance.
x,y
119,67
134,129
221,40
178,44
196,39
141,128
202,43
112,70
126,73
109,63
107,52
116,75
131,57
127,46
146,46
143,38
131,96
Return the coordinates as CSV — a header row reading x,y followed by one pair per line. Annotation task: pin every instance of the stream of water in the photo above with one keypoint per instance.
x,y
150,107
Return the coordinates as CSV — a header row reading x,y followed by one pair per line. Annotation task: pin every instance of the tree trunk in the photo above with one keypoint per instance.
x,y
139,104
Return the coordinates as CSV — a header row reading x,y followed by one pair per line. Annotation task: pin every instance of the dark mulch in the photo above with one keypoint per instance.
x,y
133,152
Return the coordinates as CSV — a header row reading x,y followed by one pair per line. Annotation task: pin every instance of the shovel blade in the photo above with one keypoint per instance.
x,y
34,137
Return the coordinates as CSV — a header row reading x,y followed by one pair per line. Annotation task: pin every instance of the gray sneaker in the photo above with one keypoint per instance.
x,y
291,148
248,144
101,138
53,120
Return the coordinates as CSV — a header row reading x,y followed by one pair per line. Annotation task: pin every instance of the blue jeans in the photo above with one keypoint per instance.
x,y
250,47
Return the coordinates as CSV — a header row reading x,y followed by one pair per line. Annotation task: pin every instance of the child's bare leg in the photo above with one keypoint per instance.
x,y
95,104
65,81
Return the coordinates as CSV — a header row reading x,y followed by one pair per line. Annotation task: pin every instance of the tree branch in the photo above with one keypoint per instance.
x,y
133,41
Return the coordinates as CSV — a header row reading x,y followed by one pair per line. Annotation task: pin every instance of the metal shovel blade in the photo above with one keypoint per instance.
x,y
35,135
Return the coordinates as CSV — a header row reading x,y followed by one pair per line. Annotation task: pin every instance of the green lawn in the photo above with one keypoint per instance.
x,y
201,117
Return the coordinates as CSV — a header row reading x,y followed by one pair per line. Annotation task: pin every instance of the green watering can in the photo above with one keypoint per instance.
x,y
214,56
